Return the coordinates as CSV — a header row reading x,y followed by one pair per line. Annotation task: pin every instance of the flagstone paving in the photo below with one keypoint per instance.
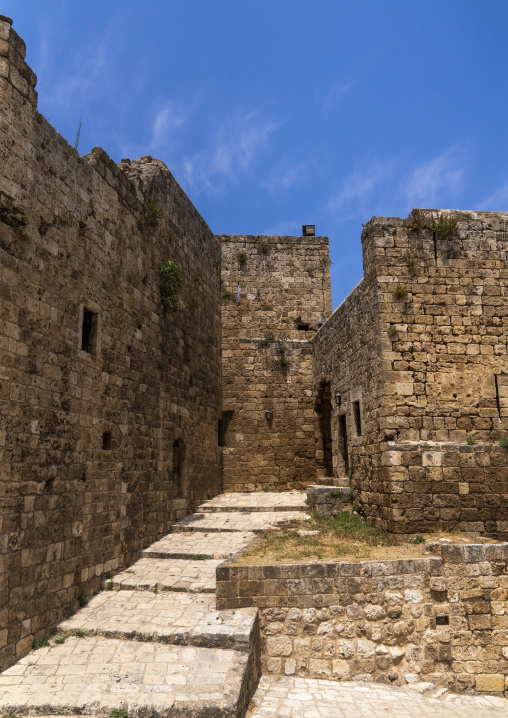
x,y
239,521
153,643
217,544
256,501
169,617
160,574
313,698
93,675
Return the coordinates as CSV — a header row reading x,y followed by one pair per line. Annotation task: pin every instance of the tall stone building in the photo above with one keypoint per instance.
x,y
109,396
414,368
276,294
146,364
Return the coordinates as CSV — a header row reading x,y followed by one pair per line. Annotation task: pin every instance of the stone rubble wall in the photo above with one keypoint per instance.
x,y
432,318
284,282
93,235
441,619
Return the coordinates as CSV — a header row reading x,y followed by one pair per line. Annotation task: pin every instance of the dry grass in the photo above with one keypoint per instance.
x,y
345,537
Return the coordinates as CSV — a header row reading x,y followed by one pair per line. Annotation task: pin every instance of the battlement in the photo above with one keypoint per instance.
x,y
17,80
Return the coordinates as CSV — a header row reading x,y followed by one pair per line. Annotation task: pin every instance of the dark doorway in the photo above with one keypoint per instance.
x,y
179,468
223,426
343,453
324,412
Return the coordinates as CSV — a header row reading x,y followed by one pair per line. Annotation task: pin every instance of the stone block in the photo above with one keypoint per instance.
x,y
490,683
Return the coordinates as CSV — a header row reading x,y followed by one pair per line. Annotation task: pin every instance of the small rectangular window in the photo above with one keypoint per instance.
x,y
442,620
88,331
106,441
501,381
357,417
304,327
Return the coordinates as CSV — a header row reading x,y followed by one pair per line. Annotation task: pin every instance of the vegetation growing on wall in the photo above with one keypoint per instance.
x,y
13,218
400,291
153,213
171,283
444,226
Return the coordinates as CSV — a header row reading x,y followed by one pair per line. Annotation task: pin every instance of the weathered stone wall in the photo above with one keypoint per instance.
x,y
87,477
275,289
421,344
440,619
328,500
346,360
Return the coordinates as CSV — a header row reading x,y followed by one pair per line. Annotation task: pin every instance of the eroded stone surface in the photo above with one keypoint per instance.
x,y
150,574
313,698
239,521
168,617
256,501
89,675
218,544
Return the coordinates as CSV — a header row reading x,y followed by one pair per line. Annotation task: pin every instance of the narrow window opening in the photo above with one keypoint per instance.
x,y
88,330
442,620
238,296
106,441
343,449
304,327
357,417
501,395
179,468
435,246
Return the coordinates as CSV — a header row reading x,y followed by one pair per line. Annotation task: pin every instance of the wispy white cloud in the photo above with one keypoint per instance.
x,y
234,149
443,174
335,95
497,201
288,228
359,188
285,175
390,185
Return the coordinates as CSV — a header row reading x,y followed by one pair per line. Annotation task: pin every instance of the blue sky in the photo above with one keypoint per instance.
x,y
276,113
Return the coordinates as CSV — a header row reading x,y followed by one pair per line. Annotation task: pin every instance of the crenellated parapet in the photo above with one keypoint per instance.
x,y
17,79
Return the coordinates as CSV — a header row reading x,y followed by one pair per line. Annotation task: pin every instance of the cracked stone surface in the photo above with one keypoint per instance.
x,y
256,501
169,617
168,575
220,544
89,675
238,521
314,698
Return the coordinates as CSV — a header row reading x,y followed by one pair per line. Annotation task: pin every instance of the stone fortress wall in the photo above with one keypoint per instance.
x,y
275,292
89,474
423,373
440,619
113,420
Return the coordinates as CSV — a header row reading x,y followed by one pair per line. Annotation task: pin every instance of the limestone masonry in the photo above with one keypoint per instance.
x,y
146,365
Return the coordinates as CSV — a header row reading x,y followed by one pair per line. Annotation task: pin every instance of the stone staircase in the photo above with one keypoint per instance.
x,y
329,496
152,642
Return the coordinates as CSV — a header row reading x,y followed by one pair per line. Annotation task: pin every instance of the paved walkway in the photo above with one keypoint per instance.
x,y
152,642
314,698
238,521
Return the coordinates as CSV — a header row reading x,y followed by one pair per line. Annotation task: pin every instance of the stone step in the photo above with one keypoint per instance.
x,y
94,676
331,481
158,574
166,617
238,521
262,501
199,545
